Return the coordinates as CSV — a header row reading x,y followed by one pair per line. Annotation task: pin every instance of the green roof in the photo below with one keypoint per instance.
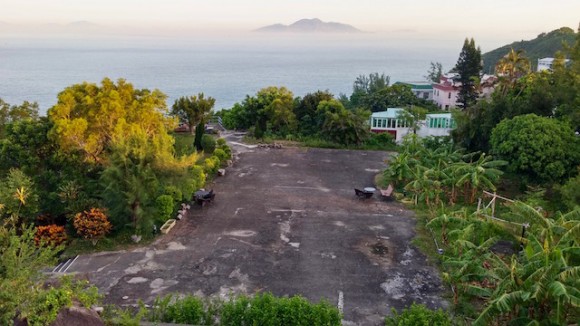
x,y
416,86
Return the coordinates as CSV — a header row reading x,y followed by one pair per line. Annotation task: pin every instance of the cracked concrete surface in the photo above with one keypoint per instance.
x,y
284,221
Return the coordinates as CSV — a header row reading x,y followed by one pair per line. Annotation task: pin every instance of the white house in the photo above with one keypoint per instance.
x,y
388,121
445,92
546,63
435,124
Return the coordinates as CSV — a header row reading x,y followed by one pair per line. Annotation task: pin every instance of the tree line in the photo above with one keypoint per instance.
x,y
276,112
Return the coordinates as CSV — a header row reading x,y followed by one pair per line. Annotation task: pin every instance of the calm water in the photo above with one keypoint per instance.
x,y
226,70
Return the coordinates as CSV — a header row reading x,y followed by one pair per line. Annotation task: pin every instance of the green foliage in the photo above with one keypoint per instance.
x,y
221,155
343,126
211,165
419,315
540,286
208,144
306,111
13,113
164,205
21,292
262,309
548,93
220,142
380,141
435,72
174,193
543,46
130,185
199,133
570,192
193,110
184,144
364,85
537,147
199,176
18,196
90,118
469,69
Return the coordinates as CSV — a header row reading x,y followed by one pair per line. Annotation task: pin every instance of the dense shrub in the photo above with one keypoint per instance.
x,y
174,193
211,165
199,176
208,144
221,154
52,235
570,193
92,224
418,315
164,205
220,142
381,140
263,309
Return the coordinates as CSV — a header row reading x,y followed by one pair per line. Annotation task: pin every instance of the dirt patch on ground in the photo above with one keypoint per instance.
x,y
378,251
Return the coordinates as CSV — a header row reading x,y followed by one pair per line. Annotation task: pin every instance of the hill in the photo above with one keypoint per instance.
x,y
545,45
310,26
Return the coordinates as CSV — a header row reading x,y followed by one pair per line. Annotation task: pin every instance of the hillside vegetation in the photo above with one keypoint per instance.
x,y
545,45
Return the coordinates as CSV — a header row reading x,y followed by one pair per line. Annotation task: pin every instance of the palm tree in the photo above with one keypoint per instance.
x,y
511,67
420,185
400,169
478,175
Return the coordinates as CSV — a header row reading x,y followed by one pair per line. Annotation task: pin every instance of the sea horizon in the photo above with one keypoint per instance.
x,y
226,68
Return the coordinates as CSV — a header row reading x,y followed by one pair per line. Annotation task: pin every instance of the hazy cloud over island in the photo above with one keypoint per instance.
x,y
486,21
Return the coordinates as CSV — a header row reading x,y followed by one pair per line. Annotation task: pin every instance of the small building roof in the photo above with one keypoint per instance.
x,y
390,113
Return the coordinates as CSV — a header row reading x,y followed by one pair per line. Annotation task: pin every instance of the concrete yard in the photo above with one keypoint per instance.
x,y
284,221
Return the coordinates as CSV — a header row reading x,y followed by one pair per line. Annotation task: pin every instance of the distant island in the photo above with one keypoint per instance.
x,y
545,45
314,25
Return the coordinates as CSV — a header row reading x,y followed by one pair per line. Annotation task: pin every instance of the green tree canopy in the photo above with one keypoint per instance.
x,y
193,109
87,117
343,126
541,148
305,110
12,113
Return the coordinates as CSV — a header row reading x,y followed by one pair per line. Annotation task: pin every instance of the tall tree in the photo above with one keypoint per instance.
x,y
192,110
435,72
87,117
365,85
469,69
513,65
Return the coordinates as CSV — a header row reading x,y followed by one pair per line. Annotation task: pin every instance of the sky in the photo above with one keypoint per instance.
x,y
487,20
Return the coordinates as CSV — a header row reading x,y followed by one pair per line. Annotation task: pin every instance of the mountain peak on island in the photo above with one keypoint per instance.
x,y
314,25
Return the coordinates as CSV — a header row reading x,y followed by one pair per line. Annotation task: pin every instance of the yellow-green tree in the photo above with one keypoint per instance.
x,y
88,117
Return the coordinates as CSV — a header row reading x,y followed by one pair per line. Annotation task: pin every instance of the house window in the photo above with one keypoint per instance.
x,y
449,95
374,122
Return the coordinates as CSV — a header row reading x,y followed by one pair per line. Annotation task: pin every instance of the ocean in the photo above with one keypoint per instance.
x,y
227,69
